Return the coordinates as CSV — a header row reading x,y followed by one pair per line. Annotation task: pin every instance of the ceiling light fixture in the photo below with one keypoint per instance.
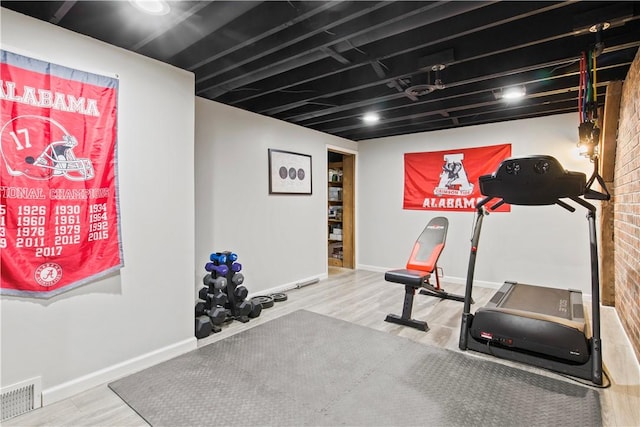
x,y
371,118
515,92
413,92
152,7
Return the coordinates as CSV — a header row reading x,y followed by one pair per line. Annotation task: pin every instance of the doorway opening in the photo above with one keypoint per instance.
x,y
340,210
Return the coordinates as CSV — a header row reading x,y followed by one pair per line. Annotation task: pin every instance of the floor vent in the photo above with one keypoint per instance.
x,y
20,398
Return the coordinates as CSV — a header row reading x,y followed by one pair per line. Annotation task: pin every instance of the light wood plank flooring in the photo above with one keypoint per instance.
x,y
363,297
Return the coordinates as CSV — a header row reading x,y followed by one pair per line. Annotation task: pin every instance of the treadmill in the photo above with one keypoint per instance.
x,y
537,325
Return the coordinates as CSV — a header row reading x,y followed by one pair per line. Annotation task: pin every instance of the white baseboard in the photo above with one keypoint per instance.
x,y
111,373
628,345
463,281
373,268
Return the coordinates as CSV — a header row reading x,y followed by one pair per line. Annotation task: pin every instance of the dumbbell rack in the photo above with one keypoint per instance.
x,y
224,298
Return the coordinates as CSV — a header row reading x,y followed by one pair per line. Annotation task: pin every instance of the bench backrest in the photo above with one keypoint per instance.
x,y
429,245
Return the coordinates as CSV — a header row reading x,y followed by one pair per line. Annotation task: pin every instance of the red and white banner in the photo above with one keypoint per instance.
x,y
448,180
59,225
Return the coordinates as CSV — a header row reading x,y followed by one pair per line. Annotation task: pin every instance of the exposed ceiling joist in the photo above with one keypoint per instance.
x,y
323,64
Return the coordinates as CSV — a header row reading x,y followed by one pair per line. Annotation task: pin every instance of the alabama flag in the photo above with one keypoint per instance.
x,y
448,180
59,210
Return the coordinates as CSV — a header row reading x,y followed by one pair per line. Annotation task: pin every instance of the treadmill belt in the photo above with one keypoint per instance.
x,y
537,299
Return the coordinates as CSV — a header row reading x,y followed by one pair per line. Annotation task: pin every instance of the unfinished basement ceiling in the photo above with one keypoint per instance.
x,y
421,66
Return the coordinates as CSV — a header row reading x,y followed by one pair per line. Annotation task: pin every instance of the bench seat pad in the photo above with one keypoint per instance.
x,y
415,278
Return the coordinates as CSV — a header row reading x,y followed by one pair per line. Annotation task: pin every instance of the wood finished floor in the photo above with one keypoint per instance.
x,y
363,297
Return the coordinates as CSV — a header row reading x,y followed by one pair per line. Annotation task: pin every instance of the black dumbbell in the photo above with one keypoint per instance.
x,y
203,327
200,308
219,298
243,308
217,315
256,309
240,293
207,302
202,294
237,279
208,279
219,283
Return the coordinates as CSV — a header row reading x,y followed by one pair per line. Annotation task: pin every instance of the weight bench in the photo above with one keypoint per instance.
x,y
420,267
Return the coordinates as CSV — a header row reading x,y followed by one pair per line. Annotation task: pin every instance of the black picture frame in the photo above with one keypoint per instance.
x,y
289,172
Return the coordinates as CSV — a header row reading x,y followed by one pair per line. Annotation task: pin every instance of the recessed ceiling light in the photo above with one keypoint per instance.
x,y
514,92
152,7
371,118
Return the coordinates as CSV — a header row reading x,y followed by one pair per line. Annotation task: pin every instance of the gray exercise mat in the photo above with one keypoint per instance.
x,y
309,369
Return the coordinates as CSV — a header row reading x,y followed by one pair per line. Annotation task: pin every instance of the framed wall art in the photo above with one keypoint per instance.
x,y
289,173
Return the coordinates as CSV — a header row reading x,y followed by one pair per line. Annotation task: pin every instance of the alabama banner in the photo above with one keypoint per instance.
x,y
448,180
59,225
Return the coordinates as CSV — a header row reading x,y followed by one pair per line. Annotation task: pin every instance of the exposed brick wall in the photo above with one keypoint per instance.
x,y
627,208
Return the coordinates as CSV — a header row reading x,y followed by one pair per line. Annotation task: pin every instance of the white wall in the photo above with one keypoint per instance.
x,y
144,313
280,239
537,245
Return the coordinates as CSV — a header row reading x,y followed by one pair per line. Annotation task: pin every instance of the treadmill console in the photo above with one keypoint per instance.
x,y
532,180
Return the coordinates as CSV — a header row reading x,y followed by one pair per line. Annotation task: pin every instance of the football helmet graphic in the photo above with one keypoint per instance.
x,y
41,148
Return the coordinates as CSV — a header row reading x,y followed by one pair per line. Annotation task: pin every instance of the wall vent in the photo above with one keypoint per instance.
x,y
20,398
